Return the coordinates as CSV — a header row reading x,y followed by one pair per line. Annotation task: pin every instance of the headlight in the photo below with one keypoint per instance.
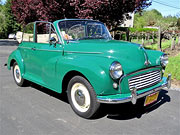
x,y
116,70
164,60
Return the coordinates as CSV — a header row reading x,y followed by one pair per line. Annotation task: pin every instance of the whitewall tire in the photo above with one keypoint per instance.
x,y
82,97
17,75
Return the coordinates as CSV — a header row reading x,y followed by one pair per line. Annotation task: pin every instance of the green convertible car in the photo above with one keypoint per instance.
x,y
79,56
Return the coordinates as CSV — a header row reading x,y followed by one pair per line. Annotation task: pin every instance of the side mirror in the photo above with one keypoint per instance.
x,y
18,37
52,40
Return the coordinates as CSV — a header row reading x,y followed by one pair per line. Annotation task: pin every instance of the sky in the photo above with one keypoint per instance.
x,y
166,7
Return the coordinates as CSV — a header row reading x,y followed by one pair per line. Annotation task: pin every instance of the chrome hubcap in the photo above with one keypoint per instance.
x,y
79,97
17,73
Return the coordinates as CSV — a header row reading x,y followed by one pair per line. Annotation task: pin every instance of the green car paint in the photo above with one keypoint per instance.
x,y
48,65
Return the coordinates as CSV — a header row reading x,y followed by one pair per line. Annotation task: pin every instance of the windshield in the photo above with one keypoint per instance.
x,y
83,29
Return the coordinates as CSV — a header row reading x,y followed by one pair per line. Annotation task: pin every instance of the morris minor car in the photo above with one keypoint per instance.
x,y
80,58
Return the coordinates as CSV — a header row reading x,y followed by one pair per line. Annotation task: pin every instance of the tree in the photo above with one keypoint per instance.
x,y
154,18
111,12
147,18
8,22
45,10
178,23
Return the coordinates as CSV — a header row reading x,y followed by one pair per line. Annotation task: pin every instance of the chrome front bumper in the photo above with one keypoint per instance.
x,y
134,96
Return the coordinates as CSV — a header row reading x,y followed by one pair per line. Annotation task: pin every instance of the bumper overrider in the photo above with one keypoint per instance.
x,y
134,95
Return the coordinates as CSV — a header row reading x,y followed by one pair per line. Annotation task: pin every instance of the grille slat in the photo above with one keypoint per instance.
x,y
145,83
144,75
145,80
144,86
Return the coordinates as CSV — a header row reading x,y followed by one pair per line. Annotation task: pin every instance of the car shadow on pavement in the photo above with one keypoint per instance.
x,y
128,111
62,96
123,111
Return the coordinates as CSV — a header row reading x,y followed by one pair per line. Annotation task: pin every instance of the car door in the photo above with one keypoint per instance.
x,y
46,55
26,50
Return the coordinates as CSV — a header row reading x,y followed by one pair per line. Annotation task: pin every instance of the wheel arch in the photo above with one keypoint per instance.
x,y
68,76
16,57
12,62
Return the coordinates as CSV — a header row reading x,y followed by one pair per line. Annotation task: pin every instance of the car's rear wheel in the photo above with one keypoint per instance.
x,y
82,97
17,75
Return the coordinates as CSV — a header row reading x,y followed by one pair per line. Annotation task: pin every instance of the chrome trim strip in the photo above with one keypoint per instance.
x,y
61,51
83,52
59,40
25,47
129,98
41,49
49,50
147,62
57,25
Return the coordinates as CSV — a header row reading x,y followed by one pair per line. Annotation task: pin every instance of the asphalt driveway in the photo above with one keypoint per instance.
x,y
34,110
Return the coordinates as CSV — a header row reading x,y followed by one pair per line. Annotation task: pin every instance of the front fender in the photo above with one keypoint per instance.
x,y
95,69
16,56
154,56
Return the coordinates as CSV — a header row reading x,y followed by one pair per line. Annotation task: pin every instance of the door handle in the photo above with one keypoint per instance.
x,y
33,48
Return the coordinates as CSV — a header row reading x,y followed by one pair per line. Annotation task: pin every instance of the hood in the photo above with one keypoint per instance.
x,y
131,56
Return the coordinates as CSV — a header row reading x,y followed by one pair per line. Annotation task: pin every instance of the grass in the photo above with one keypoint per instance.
x,y
165,44
140,41
173,67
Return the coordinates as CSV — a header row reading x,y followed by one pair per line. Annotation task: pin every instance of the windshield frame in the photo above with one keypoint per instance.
x,y
109,37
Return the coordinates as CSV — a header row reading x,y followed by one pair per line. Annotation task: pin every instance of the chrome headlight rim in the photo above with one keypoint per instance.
x,y
115,70
164,60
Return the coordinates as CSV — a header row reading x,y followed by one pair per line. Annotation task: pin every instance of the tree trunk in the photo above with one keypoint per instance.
x,y
153,39
148,38
143,41
137,37
127,34
173,41
172,44
159,38
179,40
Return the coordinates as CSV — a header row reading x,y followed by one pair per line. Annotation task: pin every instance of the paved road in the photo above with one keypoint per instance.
x,y
34,110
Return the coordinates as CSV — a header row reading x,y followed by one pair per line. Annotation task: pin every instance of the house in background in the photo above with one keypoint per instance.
x,y
129,22
123,29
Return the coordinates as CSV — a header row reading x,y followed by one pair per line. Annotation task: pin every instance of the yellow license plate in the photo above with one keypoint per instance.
x,y
151,98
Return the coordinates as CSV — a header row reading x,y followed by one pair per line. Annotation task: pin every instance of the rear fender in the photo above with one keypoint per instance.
x,y
15,56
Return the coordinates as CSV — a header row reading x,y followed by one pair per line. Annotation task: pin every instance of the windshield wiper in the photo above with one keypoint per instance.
x,y
85,38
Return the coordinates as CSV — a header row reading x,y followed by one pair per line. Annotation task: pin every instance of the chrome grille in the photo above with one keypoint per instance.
x,y
145,80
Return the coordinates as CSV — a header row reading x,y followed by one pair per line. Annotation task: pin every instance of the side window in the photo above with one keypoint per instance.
x,y
28,33
42,32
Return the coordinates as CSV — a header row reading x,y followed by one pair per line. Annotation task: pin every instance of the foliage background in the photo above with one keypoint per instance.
x,y
8,23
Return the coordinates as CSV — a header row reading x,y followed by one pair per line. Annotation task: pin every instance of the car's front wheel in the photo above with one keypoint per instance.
x,y
82,97
17,75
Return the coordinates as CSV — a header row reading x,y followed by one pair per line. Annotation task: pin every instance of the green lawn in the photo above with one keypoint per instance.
x,y
173,67
165,44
